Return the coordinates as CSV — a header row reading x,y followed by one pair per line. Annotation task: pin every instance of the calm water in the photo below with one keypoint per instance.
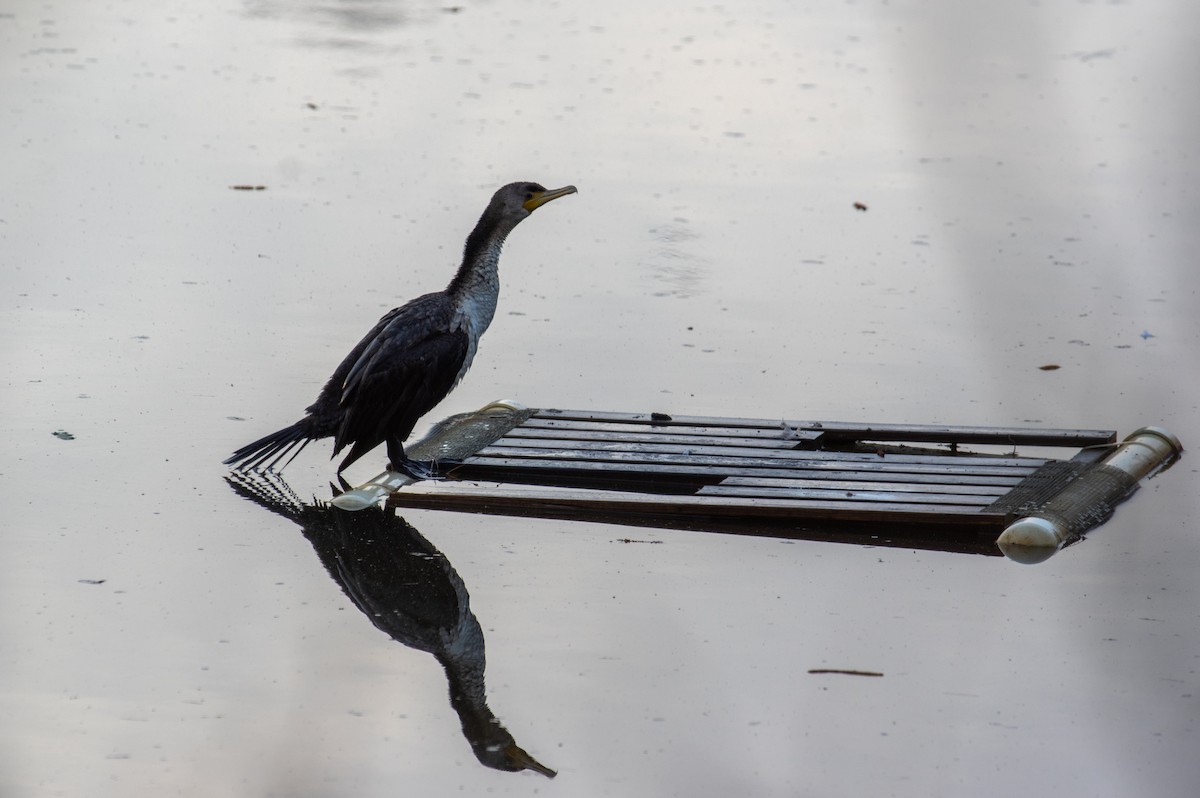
x,y
1030,173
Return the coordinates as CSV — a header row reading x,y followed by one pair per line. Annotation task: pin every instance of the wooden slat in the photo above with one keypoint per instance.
x,y
471,497
888,483
508,444
645,419
774,431
882,497
479,467
770,459
968,479
973,536
775,441
1004,436
732,465
840,430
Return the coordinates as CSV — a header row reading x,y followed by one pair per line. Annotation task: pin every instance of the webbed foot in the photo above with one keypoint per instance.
x,y
417,469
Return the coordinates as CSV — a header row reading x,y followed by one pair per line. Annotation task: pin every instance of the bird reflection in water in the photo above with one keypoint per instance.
x,y
409,590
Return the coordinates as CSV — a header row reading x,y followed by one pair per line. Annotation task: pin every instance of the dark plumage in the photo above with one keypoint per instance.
x,y
412,358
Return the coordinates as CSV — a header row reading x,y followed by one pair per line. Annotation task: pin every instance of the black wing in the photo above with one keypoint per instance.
x,y
396,374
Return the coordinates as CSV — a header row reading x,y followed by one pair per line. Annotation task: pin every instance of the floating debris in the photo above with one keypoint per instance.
x,y
844,672
1091,55
311,106
635,540
63,435
1050,367
248,188
659,417
1146,334
858,206
92,581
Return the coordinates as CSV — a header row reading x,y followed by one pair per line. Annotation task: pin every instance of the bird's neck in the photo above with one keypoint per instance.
x,y
481,257
475,287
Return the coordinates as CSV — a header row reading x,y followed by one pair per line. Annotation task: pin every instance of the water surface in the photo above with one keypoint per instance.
x,y
1029,172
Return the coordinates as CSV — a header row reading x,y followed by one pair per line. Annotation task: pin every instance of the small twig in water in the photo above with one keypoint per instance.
x,y
845,672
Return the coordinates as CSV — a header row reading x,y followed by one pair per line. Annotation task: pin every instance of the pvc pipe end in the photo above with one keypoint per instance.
x,y
1026,555
1030,540
1166,436
1032,531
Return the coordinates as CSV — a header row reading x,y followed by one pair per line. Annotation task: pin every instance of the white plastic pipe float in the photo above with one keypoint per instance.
x,y
373,491
1089,499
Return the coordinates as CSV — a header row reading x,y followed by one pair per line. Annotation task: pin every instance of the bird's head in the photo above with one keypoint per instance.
x,y
518,200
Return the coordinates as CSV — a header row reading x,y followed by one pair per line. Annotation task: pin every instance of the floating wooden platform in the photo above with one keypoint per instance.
x,y
655,468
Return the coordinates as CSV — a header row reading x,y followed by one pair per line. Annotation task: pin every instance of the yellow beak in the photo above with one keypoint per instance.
x,y
540,198
515,753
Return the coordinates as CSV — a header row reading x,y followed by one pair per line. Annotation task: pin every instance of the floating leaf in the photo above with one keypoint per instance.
x,y
1050,367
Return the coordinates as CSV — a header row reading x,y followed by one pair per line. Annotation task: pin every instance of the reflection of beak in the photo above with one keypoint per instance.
x,y
540,198
515,753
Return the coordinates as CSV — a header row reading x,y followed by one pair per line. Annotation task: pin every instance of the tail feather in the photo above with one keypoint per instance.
x,y
273,447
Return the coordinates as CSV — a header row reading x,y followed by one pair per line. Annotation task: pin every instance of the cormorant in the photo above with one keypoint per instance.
x,y
413,357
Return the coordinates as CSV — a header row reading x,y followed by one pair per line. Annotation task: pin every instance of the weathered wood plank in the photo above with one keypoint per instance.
x,y
774,431
469,497
713,472
775,441
885,483
759,458
1003,436
882,497
846,431
479,467
645,419
731,447
969,537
